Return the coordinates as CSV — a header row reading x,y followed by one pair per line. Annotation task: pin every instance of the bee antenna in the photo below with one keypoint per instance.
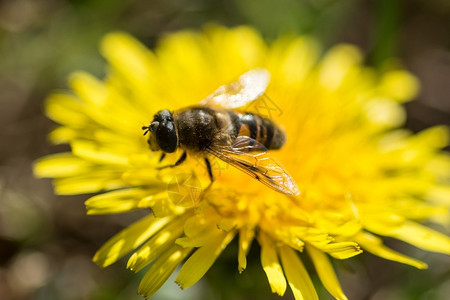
x,y
146,128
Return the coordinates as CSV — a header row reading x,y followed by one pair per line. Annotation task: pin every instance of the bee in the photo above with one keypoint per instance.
x,y
217,127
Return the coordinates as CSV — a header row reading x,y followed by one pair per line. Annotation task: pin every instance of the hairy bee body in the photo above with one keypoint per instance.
x,y
198,127
217,127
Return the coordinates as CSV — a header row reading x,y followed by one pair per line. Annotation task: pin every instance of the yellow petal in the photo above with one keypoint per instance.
x,y
385,112
60,165
439,194
185,47
128,56
297,276
66,109
63,135
105,107
88,183
128,239
156,246
293,235
244,47
115,201
271,265
375,246
381,222
415,209
418,235
340,250
227,224
201,239
347,229
440,166
434,137
338,63
183,189
326,272
160,271
202,259
89,88
399,85
199,222
245,240
95,153
161,205
136,68
298,57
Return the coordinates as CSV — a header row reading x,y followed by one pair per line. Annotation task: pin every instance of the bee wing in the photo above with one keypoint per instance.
x,y
247,88
251,157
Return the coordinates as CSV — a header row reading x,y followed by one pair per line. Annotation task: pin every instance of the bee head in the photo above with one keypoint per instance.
x,y
163,135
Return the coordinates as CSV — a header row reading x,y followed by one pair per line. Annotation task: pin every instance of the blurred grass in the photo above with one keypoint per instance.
x,y
46,242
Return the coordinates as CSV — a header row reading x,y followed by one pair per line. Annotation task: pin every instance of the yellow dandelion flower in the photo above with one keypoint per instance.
x,y
361,178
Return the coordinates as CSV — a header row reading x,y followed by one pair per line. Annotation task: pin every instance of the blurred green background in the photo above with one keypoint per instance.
x,y
46,242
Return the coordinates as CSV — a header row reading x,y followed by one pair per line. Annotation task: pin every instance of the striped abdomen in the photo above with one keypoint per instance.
x,y
259,128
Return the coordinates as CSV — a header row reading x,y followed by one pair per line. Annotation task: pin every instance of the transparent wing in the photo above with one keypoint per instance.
x,y
247,88
251,157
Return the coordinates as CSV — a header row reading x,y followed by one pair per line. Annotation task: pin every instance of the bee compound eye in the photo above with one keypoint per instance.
x,y
167,137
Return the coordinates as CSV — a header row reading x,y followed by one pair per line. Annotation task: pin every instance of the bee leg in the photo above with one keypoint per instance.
x,y
181,159
177,163
208,167
162,156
